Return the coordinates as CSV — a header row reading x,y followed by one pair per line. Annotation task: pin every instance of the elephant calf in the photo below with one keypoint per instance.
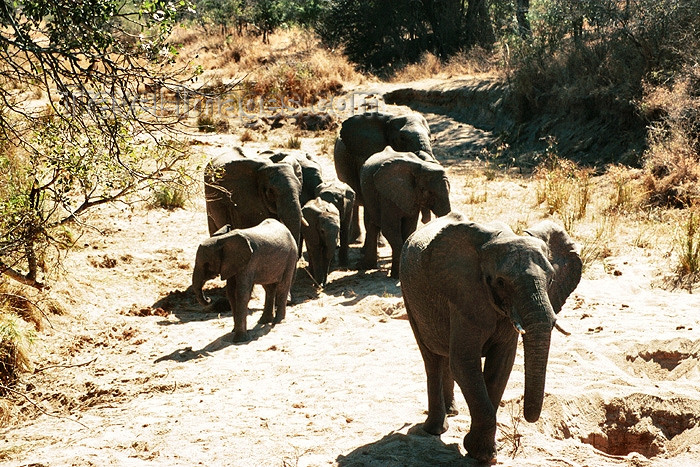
x,y
342,197
397,187
320,232
265,254
469,291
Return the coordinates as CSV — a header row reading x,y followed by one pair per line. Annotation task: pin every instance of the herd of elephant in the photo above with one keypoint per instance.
x,y
469,289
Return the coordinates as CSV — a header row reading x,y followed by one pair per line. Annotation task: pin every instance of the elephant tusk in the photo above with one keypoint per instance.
x,y
561,330
518,328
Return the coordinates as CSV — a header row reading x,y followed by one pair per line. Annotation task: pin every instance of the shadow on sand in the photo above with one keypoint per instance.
x,y
187,353
416,448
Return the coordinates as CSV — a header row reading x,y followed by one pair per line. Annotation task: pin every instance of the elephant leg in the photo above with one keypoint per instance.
x,y
269,303
369,250
408,226
480,441
281,292
497,366
355,231
344,241
448,390
240,290
391,228
436,367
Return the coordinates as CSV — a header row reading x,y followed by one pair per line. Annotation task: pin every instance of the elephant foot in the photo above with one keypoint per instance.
x,y
480,447
265,318
452,410
278,318
241,336
436,425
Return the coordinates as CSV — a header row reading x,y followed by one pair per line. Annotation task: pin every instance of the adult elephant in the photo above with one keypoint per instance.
x,y
366,134
311,176
242,192
397,186
469,290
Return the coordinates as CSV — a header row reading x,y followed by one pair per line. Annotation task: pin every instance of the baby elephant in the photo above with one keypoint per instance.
x,y
265,254
320,232
342,197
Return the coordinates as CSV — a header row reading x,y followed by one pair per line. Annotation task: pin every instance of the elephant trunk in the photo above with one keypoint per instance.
x,y
537,319
442,205
198,280
536,344
317,264
425,144
289,214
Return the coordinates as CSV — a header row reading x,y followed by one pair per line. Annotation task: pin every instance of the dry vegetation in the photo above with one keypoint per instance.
x,y
292,65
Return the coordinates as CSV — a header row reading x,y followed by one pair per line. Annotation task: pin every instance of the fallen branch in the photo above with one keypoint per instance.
x,y
25,299
39,370
11,273
40,409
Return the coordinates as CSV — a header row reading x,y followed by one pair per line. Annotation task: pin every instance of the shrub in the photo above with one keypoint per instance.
x,y
564,187
687,244
293,143
205,123
15,341
168,197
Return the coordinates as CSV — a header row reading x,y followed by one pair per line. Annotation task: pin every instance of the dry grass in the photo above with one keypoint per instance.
x,y
687,244
565,189
16,337
475,62
294,65
672,160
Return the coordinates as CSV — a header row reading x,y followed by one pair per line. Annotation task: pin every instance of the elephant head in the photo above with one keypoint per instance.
x,y
414,185
279,189
308,171
527,279
321,232
224,254
409,133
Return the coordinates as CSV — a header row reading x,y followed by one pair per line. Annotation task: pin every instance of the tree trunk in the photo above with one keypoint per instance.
x,y
522,8
478,27
445,19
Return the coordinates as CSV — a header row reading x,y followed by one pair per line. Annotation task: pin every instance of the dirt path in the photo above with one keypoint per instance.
x,y
143,376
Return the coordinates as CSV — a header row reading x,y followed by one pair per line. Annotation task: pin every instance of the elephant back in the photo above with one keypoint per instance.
x,y
364,135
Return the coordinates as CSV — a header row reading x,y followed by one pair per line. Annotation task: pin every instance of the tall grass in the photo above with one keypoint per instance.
x,y
687,244
565,190
16,338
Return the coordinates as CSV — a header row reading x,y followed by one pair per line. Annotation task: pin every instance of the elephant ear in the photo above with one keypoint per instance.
x,y
564,258
396,181
235,255
266,187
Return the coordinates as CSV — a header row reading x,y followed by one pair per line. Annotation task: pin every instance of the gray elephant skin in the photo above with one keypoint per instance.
x,y
363,135
397,187
469,291
242,192
320,232
265,254
311,174
341,196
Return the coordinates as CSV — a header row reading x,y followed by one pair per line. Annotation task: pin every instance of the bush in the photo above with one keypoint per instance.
x,y
15,340
586,66
168,197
